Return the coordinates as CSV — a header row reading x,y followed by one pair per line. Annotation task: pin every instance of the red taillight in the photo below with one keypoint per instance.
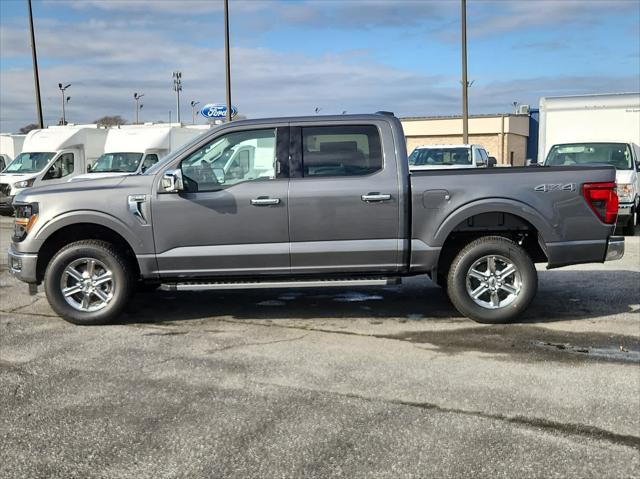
x,y
603,200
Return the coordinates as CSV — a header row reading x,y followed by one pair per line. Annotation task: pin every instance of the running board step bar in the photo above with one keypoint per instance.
x,y
314,283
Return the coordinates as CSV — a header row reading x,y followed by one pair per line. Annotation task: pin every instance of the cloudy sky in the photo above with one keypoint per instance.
x,y
289,57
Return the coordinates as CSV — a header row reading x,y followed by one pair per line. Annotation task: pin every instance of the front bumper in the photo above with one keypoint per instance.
x,y
23,265
615,248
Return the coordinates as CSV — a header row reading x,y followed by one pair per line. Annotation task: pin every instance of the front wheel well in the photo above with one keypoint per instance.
x,y
508,225
78,232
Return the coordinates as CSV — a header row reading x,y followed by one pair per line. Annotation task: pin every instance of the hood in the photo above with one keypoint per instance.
x,y
94,176
37,194
14,177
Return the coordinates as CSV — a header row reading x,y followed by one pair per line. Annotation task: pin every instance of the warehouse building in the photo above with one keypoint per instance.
x,y
503,136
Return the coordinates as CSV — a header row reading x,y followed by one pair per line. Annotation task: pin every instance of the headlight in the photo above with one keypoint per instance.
x,y
26,217
626,192
24,183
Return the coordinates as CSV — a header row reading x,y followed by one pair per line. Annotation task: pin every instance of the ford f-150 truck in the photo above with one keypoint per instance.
x,y
315,201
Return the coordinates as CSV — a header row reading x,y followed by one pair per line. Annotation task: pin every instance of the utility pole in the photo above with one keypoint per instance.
x,y
193,111
177,87
36,76
64,100
137,98
465,83
227,61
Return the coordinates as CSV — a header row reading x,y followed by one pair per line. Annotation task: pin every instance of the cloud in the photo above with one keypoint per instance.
x,y
492,18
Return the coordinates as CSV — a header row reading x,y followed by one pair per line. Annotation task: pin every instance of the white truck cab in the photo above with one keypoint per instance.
x,y
51,155
132,149
426,157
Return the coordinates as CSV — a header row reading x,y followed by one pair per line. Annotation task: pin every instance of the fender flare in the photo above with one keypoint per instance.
x,y
94,217
494,205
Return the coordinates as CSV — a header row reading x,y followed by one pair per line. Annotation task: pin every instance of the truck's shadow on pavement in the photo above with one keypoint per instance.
x,y
562,295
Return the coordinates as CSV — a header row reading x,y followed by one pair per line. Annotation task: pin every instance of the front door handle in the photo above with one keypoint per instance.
x,y
372,197
261,201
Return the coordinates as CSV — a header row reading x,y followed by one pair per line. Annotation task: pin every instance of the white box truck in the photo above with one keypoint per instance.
x,y
10,147
596,129
132,149
49,156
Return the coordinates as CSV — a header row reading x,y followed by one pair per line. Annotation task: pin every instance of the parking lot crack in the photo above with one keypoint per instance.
x,y
582,430
259,343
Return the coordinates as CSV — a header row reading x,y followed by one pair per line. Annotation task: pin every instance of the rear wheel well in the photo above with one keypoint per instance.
x,y
83,231
489,224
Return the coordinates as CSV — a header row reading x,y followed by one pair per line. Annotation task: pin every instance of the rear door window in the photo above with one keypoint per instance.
x,y
346,150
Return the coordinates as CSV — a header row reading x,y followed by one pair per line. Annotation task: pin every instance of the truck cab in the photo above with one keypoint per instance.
x,y
51,156
132,149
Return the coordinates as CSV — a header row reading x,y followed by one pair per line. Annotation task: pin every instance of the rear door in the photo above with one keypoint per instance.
x,y
343,199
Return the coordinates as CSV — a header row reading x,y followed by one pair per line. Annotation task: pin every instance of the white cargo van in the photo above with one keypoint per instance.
x,y
132,149
10,147
51,155
596,129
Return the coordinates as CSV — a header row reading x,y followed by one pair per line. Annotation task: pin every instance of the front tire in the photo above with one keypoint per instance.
x,y
492,280
630,228
88,282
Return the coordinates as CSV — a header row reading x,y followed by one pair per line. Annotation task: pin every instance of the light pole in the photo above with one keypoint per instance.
x,y
177,87
137,98
193,111
62,90
465,83
36,76
227,60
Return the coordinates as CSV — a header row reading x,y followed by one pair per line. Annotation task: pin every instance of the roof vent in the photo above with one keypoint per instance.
x,y
382,112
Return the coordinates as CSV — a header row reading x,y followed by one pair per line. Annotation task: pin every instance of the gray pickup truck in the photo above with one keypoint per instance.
x,y
315,201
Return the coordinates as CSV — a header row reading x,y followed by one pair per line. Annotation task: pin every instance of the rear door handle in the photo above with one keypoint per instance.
x,y
265,201
372,197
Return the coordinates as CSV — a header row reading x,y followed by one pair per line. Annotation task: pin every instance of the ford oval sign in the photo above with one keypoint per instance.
x,y
213,111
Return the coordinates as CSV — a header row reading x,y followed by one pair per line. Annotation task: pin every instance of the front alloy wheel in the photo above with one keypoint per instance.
x,y
87,284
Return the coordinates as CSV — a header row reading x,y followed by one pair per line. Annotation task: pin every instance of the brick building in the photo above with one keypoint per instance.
x,y
503,136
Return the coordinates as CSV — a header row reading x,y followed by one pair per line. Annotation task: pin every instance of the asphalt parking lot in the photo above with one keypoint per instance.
x,y
367,382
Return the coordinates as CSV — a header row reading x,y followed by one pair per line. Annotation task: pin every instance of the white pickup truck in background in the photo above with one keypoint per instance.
x,y
426,157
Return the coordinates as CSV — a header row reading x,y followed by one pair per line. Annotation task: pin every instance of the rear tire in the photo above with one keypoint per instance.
x,y
88,282
498,273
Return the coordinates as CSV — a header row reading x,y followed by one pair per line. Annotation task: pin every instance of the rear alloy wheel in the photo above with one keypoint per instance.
x,y
88,282
492,280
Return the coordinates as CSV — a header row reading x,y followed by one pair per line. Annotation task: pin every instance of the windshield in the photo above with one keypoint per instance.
x,y
440,156
615,154
117,163
174,154
29,163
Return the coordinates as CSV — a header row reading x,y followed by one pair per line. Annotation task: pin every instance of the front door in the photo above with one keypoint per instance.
x,y
343,201
62,169
231,219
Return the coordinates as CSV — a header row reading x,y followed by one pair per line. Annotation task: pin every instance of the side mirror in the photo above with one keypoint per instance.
x,y
172,181
529,162
492,162
219,174
638,166
480,163
88,168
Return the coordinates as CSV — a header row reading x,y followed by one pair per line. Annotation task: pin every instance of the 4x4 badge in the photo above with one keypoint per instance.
x,y
555,187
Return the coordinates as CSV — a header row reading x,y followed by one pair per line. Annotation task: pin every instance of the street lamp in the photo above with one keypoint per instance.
x,y
62,89
193,111
177,87
137,98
